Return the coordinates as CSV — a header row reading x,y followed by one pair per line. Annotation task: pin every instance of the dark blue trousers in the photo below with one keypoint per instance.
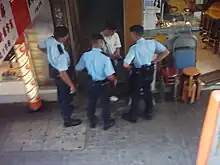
x,y
141,79
96,91
64,99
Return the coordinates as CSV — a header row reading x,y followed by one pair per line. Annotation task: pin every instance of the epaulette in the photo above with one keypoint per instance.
x,y
85,70
106,54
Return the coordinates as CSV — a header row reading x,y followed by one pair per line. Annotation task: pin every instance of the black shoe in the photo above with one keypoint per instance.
x,y
72,122
72,107
93,122
109,125
129,118
148,116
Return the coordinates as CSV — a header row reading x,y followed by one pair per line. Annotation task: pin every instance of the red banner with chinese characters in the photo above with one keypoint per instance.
x,y
21,15
24,12
8,31
15,16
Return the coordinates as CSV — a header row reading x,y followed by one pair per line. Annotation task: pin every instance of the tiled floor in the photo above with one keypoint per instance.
x,y
206,60
38,132
170,139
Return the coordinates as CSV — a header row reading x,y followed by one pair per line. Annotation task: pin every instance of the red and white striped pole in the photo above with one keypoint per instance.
x,y
32,88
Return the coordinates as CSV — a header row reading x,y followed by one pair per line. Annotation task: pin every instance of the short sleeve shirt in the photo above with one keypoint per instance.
x,y
142,52
98,65
59,61
111,43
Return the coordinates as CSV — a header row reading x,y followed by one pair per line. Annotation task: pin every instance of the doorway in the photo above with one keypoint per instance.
x,y
93,16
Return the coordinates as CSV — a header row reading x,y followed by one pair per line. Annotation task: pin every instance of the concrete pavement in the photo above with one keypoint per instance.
x,y
170,139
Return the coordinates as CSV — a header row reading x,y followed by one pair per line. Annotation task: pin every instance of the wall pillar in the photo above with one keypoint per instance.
x,y
133,14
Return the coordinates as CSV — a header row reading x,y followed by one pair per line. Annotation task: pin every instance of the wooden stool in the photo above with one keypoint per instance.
x,y
191,84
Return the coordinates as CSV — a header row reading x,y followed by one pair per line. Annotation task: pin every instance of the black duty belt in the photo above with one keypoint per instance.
x,y
101,82
144,68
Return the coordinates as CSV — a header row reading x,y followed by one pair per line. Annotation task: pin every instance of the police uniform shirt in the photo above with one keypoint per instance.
x,y
142,52
59,61
98,65
111,43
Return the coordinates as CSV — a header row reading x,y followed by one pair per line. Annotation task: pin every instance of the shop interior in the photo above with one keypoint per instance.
x,y
41,28
208,58
175,28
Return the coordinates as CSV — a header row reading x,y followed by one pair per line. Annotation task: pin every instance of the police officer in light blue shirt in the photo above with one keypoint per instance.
x,y
100,71
59,67
141,55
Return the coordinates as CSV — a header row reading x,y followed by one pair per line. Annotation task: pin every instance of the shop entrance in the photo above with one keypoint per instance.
x,y
93,16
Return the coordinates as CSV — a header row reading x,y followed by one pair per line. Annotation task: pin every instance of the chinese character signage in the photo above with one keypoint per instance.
x,y
34,7
152,6
8,31
21,17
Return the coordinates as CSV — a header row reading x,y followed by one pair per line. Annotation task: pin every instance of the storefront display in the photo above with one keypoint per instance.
x,y
9,70
10,75
13,22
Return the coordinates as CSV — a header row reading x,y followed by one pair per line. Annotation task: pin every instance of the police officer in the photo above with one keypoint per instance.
x,y
100,71
141,55
59,66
